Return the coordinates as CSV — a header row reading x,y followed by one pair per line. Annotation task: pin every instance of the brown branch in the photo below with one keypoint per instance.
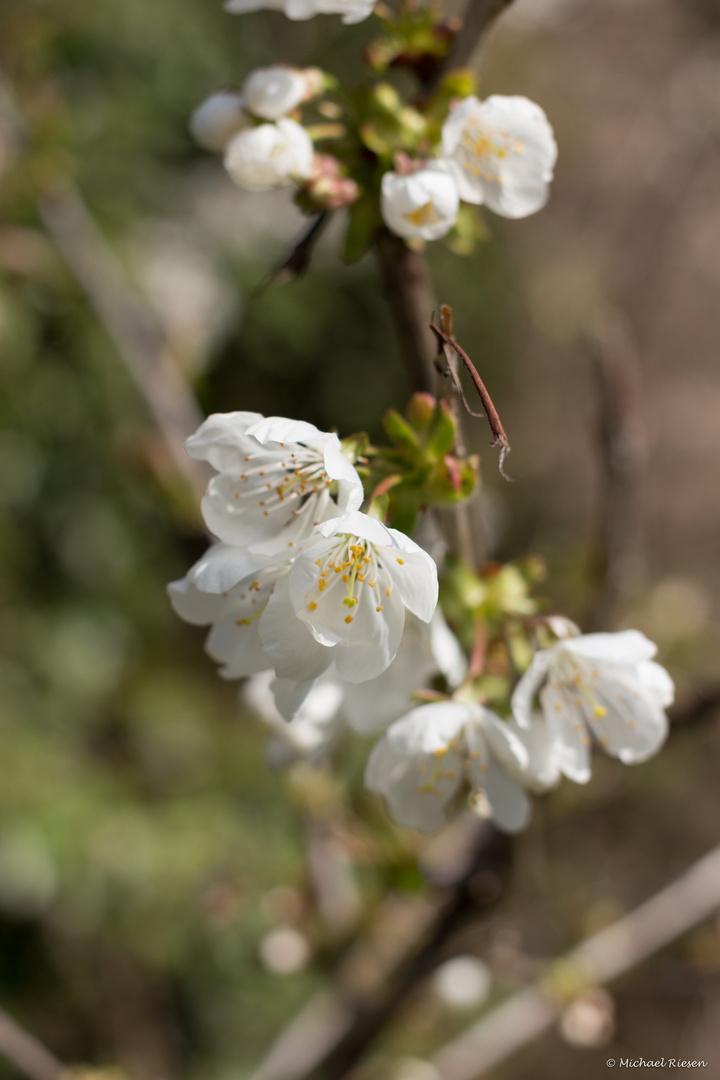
x,y
296,262
408,291
600,959
26,1052
478,890
479,18
499,437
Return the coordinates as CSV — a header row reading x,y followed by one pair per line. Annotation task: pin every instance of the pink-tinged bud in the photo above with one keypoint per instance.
x,y
327,187
420,410
454,474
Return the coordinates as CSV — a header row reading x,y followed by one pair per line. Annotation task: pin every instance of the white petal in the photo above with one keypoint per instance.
x,y
656,681
355,523
289,645
526,690
571,742
429,729
373,639
416,795
194,606
221,567
511,807
625,647
446,650
219,438
543,769
237,647
414,575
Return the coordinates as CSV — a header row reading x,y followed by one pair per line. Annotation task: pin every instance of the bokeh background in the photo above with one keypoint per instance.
x,y
148,856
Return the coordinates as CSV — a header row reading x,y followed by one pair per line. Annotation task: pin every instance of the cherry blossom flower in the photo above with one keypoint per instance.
x,y
352,11
423,204
277,479
597,688
344,600
423,761
503,152
275,91
270,156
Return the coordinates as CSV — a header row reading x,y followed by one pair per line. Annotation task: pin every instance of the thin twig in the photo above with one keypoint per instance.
x,y
499,437
600,959
296,262
26,1052
129,324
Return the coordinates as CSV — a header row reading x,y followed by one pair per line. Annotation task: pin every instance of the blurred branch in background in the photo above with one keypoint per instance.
x,y
331,1035
478,20
598,960
129,324
618,557
25,1052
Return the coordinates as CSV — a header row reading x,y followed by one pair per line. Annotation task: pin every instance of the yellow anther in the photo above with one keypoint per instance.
x,y
318,562
312,605
346,577
388,591
371,584
379,608
348,618
321,584
339,569
600,711
401,561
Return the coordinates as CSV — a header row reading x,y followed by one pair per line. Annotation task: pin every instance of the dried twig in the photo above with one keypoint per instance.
x,y
26,1052
600,959
499,437
129,324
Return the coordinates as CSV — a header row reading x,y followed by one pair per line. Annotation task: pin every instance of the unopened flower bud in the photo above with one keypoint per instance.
x,y
275,91
270,156
220,116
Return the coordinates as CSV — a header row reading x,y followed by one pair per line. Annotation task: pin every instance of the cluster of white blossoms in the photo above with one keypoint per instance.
x,y
334,617
266,155
499,153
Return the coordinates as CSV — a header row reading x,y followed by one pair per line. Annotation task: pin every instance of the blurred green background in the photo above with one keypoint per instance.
x,y
145,848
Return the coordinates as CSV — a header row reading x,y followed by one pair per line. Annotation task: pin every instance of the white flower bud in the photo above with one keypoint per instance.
x,y
422,205
273,92
270,156
220,116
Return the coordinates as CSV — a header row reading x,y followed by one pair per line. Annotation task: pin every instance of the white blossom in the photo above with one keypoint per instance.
x,y
277,479
602,689
352,11
270,156
426,758
422,205
344,600
217,119
275,91
503,152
